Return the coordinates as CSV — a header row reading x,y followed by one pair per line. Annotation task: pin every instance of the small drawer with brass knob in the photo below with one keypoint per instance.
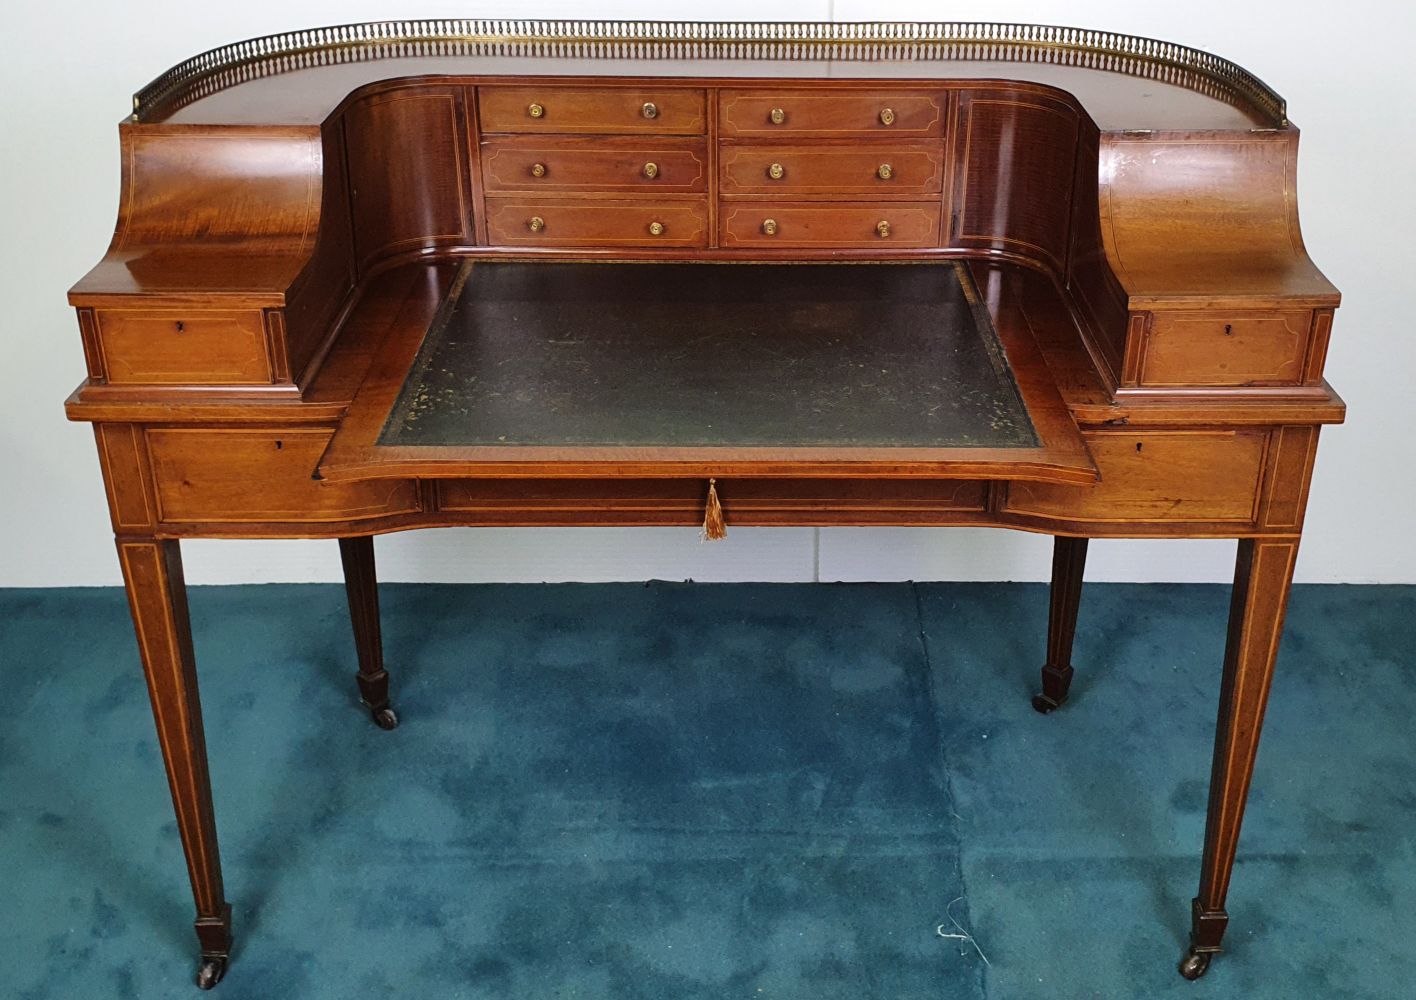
x,y
913,169
546,108
600,222
594,164
831,111
893,225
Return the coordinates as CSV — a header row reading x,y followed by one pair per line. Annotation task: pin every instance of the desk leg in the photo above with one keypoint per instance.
x,y
157,595
1069,560
361,586
1262,577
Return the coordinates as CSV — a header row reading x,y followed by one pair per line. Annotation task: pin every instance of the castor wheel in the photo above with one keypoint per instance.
x,y
210,973
1044,704
1195,964
384,718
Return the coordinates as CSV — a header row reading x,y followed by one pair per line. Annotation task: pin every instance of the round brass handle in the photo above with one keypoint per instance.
x,y
536,224
882,228
536,111
651,170
650,109
538,170
885,172
656,229
769,227
776,171
777,116
887,116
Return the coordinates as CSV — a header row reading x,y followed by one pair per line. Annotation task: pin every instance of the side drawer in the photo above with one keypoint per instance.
x,y
241,475
843,112
596,110
571,164
1247,348
567,223
857,169
1158,476
768,223
173,346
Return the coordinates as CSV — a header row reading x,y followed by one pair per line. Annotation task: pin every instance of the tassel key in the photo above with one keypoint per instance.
x,y
714,527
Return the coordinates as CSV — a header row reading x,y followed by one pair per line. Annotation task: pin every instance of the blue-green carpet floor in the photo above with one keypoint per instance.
x,y
725,792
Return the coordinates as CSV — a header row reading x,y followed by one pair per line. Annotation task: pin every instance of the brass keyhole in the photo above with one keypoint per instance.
x,y
181,326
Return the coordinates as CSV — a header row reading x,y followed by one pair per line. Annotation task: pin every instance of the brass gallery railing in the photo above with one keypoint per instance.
x,y
872,41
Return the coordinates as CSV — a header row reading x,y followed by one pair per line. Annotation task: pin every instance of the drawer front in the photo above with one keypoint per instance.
x,y
163,347
260,475
823,225
531,163
838,171
566,223
681,501
831,112
596,110
1158,476
1185,348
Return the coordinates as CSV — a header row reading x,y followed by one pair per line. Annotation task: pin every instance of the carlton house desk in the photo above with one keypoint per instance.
x,y
389,276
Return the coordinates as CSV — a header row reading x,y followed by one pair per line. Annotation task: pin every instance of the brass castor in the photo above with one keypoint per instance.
x,y
384,718
1195,964
1044,704
210,973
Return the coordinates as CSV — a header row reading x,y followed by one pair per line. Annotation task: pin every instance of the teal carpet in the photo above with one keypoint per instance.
x,y
726,792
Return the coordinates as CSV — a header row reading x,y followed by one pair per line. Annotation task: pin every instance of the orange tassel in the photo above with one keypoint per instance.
x,y
714,527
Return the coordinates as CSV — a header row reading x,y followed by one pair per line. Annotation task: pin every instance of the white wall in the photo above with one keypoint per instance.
x,y
66,70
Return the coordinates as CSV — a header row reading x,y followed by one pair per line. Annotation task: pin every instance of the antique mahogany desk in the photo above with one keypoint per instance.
x,y
398,275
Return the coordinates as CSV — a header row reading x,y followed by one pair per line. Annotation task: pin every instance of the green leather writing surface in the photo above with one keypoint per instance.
x,y
805,355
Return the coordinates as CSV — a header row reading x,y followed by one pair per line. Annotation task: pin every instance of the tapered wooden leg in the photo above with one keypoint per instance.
x,y
1069,560
1262,578
157,595
361,586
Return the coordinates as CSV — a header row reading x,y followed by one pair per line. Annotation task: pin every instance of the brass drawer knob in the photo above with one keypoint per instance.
x,y
536,224
538,170
882,228
777,116
776,171
885,172
656,229
887,116
536,111
651,170
650,110
769,227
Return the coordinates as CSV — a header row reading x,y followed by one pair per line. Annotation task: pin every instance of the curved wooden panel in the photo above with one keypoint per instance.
x,y
408,176
1015,182
226,185
1203,217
